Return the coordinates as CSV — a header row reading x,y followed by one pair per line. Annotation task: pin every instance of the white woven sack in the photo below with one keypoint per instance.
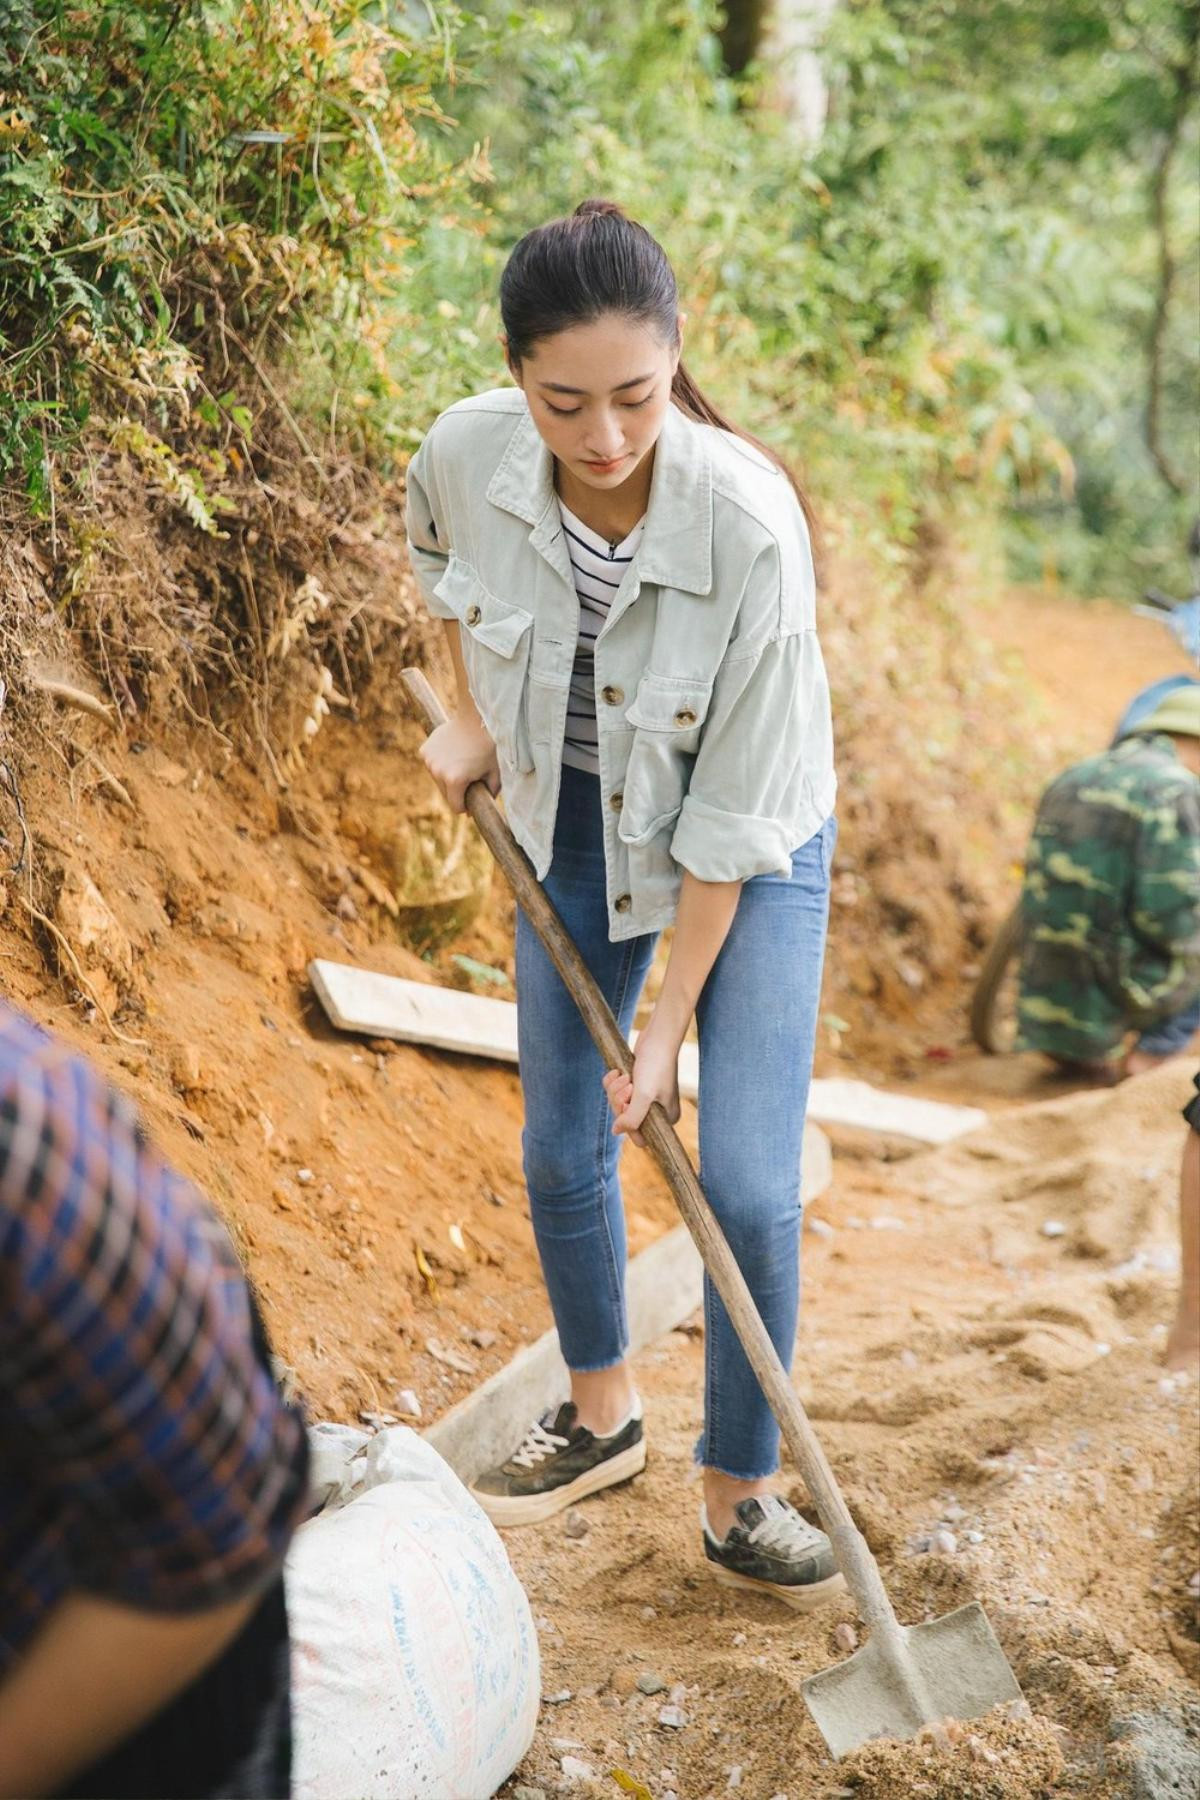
x,y
415,1670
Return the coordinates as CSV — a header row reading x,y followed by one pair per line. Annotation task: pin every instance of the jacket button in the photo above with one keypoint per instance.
x,y
616,801
473,615
612,696
685,716
622,903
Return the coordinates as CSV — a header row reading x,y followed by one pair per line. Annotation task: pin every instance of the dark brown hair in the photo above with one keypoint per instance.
x,y
597,260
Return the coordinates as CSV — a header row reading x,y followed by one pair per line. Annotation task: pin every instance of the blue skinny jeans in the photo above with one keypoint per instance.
x,y
757,1020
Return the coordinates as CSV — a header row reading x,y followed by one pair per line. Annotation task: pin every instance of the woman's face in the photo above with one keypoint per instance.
x,y
598,395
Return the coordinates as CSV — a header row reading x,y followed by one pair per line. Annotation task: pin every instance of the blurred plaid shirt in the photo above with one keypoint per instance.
x,y
145,1453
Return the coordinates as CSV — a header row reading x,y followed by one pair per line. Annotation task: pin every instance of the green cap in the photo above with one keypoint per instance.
x,y
1177,712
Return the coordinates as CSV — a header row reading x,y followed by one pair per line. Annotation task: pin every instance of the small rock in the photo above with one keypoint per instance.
x,y
739,1638
521,1792
462,1365
818,1227
944,1541
648,1614
673,1717
185,1068
559,1699
668,1597
845,1638
974,1537
678,1694
346,908
909,1359
576,1525
735,1776
623,1682
305,1177
650,1683
885,1222
408,1402
1054,1228
482,1340
980,1751
954,1513
575,1769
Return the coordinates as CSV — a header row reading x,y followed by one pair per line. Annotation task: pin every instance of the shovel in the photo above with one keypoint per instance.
x,y
905,1676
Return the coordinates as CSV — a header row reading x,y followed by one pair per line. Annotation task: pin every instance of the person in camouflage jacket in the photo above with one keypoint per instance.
x,y
1111,900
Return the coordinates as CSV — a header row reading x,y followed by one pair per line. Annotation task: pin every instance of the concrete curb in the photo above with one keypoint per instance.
x,y
663,1286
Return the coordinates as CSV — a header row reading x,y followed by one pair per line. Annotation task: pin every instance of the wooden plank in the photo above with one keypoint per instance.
x,y
416,1012
866,1108
359,1000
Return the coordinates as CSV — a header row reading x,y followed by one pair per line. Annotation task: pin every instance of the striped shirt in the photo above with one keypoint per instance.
x,y
145,1453
599,568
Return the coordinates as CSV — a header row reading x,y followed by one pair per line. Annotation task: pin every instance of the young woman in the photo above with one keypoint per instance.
x,y
627,588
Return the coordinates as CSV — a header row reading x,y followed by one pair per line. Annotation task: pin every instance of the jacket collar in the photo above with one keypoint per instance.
x,y
676,548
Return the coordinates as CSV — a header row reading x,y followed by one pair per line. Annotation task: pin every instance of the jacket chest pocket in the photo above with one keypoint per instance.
x,y
668,717
496,638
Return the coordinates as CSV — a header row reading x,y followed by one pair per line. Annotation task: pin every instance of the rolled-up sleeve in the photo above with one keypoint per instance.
x,y
763,756
424,514
763,779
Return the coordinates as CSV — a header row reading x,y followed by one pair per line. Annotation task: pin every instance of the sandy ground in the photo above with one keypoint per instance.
x,y
968,1375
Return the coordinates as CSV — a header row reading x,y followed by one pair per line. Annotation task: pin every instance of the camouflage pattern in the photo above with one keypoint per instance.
x,y
1111,902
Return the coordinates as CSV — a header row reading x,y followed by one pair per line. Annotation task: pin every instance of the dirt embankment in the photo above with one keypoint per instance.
x,y
376,1190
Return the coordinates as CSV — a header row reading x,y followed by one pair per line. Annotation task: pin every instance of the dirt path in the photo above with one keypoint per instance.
x,y
969,1375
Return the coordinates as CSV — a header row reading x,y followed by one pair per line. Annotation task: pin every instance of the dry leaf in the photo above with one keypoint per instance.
x,y
427,1275
631,1784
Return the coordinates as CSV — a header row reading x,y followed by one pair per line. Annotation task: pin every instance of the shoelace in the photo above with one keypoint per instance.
x,y
786,1534
537,1444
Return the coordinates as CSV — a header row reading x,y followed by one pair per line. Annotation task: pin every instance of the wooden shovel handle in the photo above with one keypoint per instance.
x,y
851,1549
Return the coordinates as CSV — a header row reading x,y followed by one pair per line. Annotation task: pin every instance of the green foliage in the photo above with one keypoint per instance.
x,y
948,301
1023,142
183,181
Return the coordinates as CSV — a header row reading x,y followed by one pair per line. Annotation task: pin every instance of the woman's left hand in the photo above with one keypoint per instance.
x,y
655,1077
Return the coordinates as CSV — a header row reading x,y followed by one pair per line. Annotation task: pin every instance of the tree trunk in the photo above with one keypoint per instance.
x,y
742,33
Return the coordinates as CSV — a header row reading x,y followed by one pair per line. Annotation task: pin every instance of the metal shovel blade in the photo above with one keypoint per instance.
x,y
952,1668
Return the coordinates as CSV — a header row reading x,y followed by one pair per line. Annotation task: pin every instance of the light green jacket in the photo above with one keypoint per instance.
x,y
715,743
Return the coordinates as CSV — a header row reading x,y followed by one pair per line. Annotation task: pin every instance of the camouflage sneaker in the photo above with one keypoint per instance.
x,y
775,1551
556,1463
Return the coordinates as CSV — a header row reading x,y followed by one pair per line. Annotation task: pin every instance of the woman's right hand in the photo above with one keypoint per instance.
x,y
458,753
